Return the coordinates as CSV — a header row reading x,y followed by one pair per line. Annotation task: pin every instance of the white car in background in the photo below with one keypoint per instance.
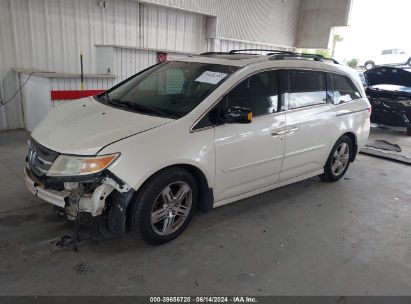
x,y
388,57
198,133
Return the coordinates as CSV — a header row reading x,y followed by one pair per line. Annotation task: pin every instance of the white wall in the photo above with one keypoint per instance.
x,y
49,34
317,18
171,29
288,23
38,89
261,21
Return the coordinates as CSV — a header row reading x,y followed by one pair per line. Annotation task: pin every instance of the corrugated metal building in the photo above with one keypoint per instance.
x,y
121,37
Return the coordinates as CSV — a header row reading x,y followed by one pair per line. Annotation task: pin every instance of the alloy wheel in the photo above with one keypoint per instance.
x,y
171,208
340,159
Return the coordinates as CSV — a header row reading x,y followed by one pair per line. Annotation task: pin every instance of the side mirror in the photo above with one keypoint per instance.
x,y
236,114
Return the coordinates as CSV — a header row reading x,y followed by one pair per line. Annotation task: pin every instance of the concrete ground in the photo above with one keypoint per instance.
x,y
352,237
394,136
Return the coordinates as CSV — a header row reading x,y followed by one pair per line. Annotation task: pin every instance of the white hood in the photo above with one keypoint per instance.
x,y
84,126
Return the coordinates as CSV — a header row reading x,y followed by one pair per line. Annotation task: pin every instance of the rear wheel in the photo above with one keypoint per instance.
x,y
338,160
369,65
409,131
164,206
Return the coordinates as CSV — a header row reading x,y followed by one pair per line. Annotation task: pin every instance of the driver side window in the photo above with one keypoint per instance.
x,y
259,93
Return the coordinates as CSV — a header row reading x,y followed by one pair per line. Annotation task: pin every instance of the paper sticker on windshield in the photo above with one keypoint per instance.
x,y
211,77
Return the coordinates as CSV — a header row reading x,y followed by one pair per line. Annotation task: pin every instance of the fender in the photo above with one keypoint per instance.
x,y
117,215
119,202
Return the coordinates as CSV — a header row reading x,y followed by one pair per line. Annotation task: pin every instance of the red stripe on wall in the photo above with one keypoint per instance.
x,y
59,95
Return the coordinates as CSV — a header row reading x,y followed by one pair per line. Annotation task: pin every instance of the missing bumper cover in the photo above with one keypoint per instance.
x,y
110,192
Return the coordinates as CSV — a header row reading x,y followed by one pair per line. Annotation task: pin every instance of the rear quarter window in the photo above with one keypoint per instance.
x,y
343,90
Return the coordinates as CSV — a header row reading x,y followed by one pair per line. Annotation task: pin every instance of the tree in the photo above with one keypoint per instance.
x,y
323,52
353,63
336,38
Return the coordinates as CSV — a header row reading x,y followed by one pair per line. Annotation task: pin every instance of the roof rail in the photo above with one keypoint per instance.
x,y
258,50
276,54
213,53
315,57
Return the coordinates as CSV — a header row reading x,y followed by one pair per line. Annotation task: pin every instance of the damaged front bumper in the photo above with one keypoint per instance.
x,y
105,193
57,198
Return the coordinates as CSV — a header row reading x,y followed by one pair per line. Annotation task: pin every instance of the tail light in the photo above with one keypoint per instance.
x,y
369,110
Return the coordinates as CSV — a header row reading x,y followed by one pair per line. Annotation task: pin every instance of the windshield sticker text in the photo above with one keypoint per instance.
x,y
211,77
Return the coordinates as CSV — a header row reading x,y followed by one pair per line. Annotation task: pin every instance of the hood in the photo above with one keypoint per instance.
x,y
84,126
388,75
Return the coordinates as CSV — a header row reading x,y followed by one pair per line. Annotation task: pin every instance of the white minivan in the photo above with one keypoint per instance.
x,y
197,133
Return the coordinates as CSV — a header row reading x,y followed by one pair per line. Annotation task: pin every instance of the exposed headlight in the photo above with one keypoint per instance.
x,y
67,165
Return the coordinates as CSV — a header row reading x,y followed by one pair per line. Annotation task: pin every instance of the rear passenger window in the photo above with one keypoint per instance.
x,y
307,88
343,89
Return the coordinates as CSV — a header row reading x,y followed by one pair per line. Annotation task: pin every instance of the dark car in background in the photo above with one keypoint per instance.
x,y
389,92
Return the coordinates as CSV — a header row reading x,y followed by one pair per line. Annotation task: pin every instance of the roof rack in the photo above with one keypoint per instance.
x,y
213,53
315,57
276,54
258,50
243,51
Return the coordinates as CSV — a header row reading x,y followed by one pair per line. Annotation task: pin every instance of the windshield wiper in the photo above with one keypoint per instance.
x,y
139,107
106,98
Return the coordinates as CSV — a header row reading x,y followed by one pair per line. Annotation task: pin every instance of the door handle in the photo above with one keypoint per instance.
x,y
275,133
292,130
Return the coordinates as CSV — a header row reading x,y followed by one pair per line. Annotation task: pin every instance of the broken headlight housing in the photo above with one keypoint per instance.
x,y
69,165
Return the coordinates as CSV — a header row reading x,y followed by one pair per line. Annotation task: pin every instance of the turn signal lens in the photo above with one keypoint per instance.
x,y
95,165
67,165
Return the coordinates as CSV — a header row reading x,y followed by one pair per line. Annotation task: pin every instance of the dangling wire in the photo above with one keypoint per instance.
x,y
77,229
77,223
2,104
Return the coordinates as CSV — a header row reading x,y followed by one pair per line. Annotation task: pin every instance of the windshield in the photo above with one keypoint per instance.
x,y
172,89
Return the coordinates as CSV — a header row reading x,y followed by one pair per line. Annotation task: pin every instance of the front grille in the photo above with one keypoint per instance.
x,y
40,158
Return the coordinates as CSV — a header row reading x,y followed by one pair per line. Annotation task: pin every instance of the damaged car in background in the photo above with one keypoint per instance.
x,y
389,92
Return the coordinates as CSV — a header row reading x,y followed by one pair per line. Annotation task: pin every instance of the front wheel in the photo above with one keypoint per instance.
x,y
164,206
409,131
338,160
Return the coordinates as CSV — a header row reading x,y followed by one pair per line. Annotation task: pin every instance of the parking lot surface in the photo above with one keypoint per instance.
x,y
351,237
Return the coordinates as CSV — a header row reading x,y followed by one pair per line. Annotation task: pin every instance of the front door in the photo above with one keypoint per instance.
x,y
249,156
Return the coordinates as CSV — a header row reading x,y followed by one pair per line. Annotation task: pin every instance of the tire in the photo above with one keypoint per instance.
x,y
331,174
409,131
154,215
409,62
369,65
